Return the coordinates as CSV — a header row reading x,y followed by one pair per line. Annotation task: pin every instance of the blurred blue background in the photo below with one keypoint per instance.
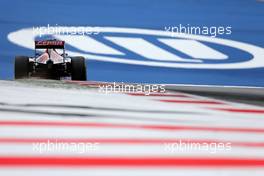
x,y
245,17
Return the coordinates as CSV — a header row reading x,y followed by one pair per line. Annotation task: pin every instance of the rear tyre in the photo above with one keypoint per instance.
x,y
21,67
78,68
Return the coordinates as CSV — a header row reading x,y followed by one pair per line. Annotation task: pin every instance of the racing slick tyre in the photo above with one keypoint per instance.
x,y
78,68
21,67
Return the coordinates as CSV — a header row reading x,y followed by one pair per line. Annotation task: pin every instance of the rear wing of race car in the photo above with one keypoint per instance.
x,y
50,44
44,44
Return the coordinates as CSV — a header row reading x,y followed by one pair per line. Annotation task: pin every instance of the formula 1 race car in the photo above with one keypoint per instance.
x,y
51,63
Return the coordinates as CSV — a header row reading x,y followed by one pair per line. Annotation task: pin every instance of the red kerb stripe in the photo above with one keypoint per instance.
x,y
129,162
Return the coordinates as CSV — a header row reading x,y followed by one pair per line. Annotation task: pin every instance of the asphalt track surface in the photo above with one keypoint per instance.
x,y
171,133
